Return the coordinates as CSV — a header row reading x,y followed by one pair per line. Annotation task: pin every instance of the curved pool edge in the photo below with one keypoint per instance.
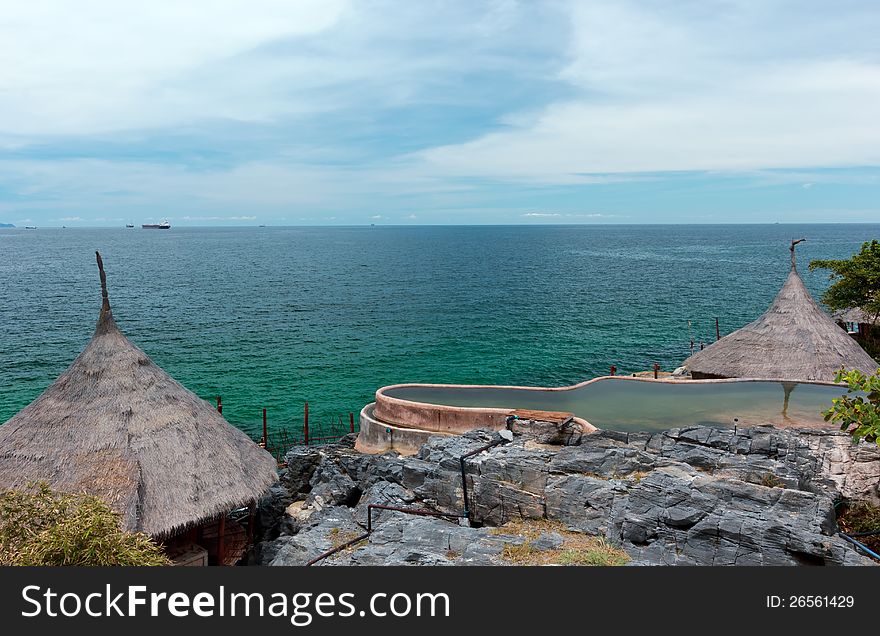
x,y
628,378
451,420
377,437
402,425
460,419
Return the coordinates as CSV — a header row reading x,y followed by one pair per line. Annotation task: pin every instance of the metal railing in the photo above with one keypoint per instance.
x,y
309,431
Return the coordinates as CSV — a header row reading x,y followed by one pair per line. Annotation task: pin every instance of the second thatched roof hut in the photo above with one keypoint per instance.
x,y
117,426
793,340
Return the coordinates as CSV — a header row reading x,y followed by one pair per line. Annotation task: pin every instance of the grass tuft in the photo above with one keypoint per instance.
x,y
337,537
769,480
577,548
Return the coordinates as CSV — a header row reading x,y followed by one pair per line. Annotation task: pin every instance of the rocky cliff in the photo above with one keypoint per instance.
x,y
695,496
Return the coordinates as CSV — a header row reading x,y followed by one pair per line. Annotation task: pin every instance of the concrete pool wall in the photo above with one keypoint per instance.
x,y
451,419
378,437
401,424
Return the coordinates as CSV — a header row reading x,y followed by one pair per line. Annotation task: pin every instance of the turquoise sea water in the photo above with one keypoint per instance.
x,y
276,316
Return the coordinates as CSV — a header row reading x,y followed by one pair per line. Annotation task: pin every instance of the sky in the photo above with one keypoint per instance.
x,y
335,112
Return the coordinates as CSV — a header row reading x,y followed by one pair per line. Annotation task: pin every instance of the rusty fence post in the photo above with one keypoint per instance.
x,y
717,331
656,369
351,422
265,431
220,405
613,370
306,425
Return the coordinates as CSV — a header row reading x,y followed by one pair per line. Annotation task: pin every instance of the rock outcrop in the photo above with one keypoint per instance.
x,y
692,496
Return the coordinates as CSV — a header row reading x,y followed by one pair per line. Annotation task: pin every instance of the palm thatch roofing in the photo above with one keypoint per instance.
x,y
793,340
853,315
117,426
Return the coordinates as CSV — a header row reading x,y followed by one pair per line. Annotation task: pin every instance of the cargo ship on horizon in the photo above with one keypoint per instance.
x,y
164,225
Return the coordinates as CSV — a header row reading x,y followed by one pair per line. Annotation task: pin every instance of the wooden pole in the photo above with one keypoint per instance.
x,y
265,431
220,405
613,370
656,369
306,425
717,331
221,540
793,243
351,422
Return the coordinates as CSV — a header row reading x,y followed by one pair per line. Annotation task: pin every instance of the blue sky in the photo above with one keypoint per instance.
x,y
334,112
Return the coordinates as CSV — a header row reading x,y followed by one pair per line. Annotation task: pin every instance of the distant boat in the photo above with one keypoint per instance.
x,y
164,225
129,225
30,227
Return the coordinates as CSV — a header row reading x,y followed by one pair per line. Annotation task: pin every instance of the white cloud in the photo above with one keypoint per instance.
x,y
698,90
140,188
257,183
98,65
639,90
569,215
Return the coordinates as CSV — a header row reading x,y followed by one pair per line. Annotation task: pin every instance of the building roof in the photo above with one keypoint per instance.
x,y
117,426
793,340
854,315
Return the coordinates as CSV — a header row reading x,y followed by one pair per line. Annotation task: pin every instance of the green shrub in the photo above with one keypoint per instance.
x,y
41,527
859,415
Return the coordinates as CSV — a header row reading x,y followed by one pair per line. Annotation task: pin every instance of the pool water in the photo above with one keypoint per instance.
x,y
632,405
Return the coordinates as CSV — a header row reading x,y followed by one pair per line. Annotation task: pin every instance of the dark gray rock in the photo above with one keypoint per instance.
x,y
407,540
270,511
330,486
326,529
548,541
693,496
384,494
301,464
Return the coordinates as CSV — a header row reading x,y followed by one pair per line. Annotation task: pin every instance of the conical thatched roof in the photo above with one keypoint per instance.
x,y
116,425
793,340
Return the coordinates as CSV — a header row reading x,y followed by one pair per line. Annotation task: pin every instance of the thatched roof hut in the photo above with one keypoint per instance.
x,y
857,322
117,426
793,340
854,315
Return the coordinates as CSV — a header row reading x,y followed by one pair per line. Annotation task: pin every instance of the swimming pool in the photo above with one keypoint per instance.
x,y
614,403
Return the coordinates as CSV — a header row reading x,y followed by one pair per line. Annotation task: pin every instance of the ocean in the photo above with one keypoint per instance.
x,y
276,316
